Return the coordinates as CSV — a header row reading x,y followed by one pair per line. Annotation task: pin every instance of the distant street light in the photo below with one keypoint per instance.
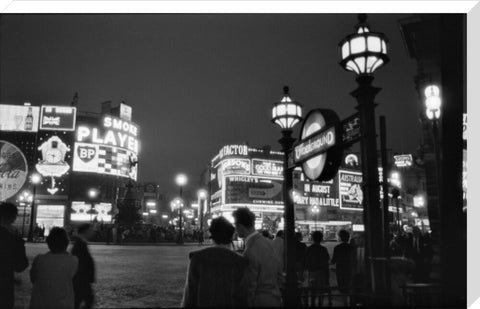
x,y
25,198
92,194
287,113
202,200
35,179
316,211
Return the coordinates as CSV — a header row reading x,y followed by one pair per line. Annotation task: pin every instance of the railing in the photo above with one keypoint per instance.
x,y
330,297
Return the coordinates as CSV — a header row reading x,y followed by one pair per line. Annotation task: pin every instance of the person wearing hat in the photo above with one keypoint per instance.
x,y
215,276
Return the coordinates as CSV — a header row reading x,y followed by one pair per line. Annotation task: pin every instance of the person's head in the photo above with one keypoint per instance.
x,y
221,231
298,236
343,235
280,234
85,230
266,234
8,214
57,240
317,237
244,221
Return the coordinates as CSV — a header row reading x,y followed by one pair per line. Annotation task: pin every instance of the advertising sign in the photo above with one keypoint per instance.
x,y
60,118
236,166
404,160
253,190
125,111
53,162
50,216
267,168
351,195
13,170
323,193
82,211
351,129
110,149
19,118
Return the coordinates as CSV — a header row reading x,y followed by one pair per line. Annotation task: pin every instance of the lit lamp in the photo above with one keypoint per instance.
x,y
316,211
177,204
35,179
362,53
25,198
433,104
92,194
287,113
202,196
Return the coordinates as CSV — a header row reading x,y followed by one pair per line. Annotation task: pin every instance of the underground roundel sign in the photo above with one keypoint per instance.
x,y
318,149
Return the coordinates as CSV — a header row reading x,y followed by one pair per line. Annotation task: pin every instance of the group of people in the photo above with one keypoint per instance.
x,y
60,279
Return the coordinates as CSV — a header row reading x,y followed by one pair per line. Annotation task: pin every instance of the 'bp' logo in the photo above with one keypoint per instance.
x,y
86,153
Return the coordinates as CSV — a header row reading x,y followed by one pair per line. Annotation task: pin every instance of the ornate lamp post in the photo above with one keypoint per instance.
x,y
433,104
363,52
287,114
202,196
35,179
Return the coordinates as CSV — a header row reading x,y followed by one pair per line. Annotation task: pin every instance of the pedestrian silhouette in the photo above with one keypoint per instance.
x,y
316,262
52,274
344,258
12,254
85,276
215,276
263,273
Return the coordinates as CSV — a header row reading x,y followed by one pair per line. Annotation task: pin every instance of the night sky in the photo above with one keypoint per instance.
x,y
197,82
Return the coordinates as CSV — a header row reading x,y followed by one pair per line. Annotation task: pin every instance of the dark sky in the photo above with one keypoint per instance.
x,y
198,82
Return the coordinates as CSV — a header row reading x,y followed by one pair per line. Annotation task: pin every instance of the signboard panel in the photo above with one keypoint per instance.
x,y
314,145
58,118
350,190
110,149
253,190
82,211
315,193
19,118
351,129
267,168
13,170
404,160
125,111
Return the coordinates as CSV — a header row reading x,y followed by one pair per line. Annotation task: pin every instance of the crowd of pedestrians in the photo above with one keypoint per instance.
x,y
60,279
218,275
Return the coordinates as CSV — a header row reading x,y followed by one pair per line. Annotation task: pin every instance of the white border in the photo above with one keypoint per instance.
x,y
20,6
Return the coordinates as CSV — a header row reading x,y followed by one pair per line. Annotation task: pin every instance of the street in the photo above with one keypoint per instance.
x,y
132,275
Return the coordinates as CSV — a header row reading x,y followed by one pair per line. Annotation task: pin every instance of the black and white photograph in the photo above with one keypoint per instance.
x,y
252,154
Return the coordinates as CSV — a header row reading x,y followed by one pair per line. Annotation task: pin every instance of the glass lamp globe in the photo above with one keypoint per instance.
x,y
286,113
202,194
363,52
181,180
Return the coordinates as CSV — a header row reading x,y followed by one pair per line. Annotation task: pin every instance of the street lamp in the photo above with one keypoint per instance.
x,y
202,196
363,52
287,113
35,179
396,184
316,211
92,194
25,198
177,204
181,180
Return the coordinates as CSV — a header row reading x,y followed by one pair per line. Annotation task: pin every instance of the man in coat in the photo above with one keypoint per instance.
x,y
215,276
264,271
85,276
12,254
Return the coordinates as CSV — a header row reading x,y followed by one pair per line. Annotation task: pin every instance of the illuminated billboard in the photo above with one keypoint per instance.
x,y
351,194
13,170
253,190
82,211
111,148
60,118
19,118
270,168
316,193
